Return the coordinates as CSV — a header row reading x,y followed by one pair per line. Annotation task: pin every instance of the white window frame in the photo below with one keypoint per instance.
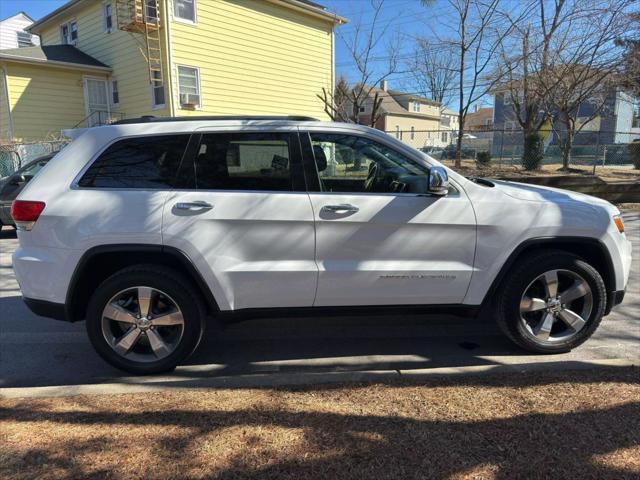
x,y
199,85
65,39
72,41
507,99
108,29
111,90
185,20
24,34
154,105
416,106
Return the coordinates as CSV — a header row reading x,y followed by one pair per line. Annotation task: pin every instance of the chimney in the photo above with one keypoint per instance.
x,y
384,85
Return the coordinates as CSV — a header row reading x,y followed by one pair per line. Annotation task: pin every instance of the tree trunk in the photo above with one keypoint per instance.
x,y
566,150
458,162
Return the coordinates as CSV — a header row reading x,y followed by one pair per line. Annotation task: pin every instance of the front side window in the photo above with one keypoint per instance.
x,y
352,164
185,10
141,162
151,10
189,87
416,106
243,161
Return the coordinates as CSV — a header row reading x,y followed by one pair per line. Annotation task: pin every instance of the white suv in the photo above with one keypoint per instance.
x,y
151,228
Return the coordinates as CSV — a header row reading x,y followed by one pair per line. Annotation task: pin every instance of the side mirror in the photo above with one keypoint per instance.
x,y
18,180
438,181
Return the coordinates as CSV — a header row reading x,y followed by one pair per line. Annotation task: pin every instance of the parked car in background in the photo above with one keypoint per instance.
x,y
152,228
12,185
449,152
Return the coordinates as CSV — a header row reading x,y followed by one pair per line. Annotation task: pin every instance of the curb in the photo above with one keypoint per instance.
x,y
157,384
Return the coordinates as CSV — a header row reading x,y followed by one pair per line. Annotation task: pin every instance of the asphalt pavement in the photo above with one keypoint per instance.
x,y
39,352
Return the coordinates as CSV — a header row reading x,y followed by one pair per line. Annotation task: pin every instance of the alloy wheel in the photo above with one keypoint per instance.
x,y
142,324
556,306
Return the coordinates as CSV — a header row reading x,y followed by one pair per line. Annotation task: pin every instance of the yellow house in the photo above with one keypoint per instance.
x,y
104,60
413,119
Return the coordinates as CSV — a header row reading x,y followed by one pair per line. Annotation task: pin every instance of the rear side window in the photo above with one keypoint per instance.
x,y
244,161
142,162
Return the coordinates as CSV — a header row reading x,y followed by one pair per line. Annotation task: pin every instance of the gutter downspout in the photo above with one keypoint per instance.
x,y
5,82
172,104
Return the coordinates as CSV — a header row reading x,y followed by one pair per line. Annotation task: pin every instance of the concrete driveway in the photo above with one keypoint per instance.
x,y
36,352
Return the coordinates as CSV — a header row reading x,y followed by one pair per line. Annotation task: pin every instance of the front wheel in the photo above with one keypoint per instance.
x,y
145,319
551,302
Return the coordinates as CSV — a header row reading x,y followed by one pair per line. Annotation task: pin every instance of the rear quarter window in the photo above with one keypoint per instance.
x,y
138,162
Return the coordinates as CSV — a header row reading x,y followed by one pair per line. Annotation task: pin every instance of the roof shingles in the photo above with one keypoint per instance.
x,y
53,53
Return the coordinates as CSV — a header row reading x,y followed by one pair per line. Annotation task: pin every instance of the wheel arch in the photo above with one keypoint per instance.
x,y
591,250
99,263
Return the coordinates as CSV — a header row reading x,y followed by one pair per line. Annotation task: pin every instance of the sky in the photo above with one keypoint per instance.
x,y
407,19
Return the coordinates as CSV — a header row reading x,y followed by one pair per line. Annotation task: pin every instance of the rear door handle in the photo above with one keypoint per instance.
x,y
342,208
197,205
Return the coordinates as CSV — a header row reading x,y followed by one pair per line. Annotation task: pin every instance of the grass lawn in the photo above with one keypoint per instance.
x,y
574,424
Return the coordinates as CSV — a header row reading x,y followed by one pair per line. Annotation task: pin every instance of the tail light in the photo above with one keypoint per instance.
x,y
25,213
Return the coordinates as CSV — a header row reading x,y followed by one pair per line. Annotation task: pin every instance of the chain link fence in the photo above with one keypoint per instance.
x,y
15,155
604,148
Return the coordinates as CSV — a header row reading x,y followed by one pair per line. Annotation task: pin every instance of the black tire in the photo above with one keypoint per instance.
x,y
516,282
157,277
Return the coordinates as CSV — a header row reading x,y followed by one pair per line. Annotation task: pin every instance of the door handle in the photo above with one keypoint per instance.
x,y
343,208
197,205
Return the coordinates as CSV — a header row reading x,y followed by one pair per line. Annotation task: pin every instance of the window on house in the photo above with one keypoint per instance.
x,y
144,162
24,39
507,98
158,89
185,10
115,94
108,18
444,137
416,106
413,133
64,34
73,32
152,10
189,87
362,109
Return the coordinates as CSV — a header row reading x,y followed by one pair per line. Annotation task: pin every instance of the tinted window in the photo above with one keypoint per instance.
x,y
143,162
243,161
352,164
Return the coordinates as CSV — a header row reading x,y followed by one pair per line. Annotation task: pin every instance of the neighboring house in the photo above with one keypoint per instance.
x,y
612,125
13,32
449,126
412,118
481,119
128,58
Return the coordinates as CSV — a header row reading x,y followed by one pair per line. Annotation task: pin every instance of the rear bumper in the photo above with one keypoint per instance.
x,y
47,309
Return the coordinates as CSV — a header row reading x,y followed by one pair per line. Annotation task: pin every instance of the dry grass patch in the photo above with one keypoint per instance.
x,y
581,424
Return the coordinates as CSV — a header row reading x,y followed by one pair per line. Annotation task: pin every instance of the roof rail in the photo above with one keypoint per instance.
x,y
153,119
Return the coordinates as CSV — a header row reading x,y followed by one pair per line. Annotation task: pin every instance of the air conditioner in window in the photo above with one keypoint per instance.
x,y
189,100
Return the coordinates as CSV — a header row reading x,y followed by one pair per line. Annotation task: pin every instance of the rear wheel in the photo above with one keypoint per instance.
x,y
145,319
551,302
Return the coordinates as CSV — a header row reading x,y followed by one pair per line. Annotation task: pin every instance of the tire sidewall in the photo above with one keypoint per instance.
x,y
190,307
516,288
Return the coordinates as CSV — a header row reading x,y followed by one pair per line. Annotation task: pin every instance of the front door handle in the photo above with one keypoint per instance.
x,y
197,205
342,208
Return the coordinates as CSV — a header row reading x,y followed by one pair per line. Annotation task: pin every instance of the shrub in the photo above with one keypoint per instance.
x,y
483,158
533,152
634,153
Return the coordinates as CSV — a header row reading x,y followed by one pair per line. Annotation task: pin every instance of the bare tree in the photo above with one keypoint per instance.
x,y
478,30
431,69
362,41
631,43
584,68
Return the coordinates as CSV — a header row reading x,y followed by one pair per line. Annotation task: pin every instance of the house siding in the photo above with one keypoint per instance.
x,y
426,130
121,50
43,101
9,28
254,57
